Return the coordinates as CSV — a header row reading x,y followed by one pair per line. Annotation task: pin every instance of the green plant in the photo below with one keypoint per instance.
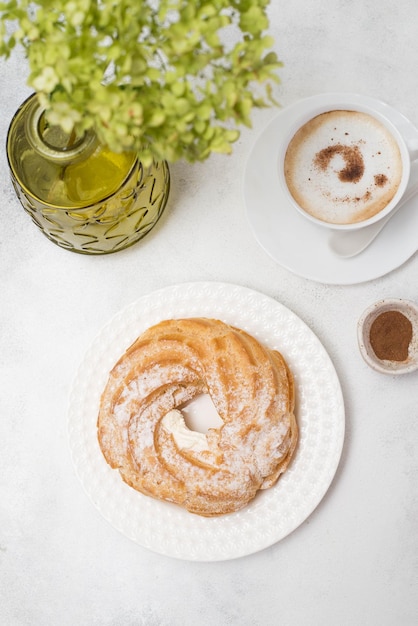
x,y
172,78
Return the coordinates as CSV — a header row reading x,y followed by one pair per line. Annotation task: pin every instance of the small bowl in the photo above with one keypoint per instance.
x,y
407,308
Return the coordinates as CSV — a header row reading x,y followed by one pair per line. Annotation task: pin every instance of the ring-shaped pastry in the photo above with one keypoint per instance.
x,y
251,388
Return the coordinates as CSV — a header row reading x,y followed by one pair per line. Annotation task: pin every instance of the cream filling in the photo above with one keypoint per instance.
x,y
185,439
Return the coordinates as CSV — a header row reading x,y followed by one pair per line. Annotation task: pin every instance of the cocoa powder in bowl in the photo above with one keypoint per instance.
x,y
387,333
390,336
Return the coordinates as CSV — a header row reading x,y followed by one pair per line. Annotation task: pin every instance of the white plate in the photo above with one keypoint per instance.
x,y
274,513
293,241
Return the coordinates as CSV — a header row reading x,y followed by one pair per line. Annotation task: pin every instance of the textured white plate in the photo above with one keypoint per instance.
x,y
166,528
301,246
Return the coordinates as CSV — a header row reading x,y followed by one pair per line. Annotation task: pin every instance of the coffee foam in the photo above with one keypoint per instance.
x,y
343,167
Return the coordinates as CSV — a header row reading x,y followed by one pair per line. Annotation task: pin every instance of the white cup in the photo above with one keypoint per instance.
x,y
334,165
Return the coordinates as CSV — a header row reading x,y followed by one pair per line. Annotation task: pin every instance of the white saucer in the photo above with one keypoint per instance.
x,y
297,244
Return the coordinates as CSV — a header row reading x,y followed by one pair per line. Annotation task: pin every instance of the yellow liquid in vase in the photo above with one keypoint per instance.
x,y
90,181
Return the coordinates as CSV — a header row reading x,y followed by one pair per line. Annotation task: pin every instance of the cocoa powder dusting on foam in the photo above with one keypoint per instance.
x,y
354,164
380,180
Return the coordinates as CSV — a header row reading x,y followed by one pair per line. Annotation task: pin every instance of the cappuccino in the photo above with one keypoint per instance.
x,y
343,167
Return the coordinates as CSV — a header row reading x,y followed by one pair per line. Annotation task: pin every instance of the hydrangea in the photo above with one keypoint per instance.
x,y
170,78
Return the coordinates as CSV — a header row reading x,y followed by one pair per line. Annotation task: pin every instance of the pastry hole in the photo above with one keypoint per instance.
x,y
200,414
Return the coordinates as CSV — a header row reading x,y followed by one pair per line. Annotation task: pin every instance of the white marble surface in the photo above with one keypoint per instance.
x,y
354,561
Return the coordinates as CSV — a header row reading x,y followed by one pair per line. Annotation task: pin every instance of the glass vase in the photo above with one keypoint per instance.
x,y
82,196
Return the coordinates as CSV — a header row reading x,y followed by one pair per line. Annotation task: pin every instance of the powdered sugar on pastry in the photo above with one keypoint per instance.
x,y
142,432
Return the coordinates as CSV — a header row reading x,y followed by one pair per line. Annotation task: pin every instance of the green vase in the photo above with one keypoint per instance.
x,y
81,195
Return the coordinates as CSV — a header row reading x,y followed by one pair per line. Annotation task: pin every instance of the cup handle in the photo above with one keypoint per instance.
x,y
413,149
